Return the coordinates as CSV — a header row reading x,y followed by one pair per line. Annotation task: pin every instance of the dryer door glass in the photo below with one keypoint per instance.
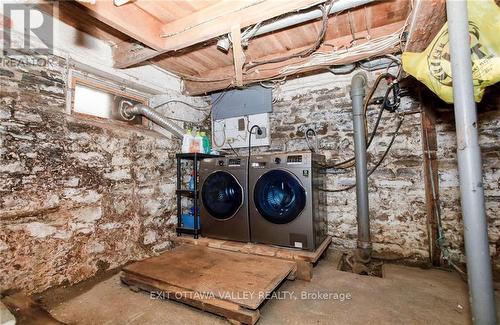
x,y
221,195
279,197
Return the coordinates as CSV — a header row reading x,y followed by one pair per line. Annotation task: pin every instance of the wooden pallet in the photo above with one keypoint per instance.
x,y
304,260
229,284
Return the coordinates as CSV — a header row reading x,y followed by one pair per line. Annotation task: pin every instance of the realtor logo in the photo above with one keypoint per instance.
x,y
27,29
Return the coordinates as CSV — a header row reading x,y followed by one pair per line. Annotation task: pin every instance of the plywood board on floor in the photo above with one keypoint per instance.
x,y
243,279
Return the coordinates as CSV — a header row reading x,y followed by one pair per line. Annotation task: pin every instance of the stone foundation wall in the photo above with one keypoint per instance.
x,y
397,195
449,190
78,195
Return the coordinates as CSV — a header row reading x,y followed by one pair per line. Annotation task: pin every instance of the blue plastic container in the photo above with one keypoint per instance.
x,y
187,221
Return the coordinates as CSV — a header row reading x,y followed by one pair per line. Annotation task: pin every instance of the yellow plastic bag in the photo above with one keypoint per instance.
x,y
433,68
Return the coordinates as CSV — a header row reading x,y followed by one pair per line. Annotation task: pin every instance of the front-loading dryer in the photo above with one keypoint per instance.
x,y
223,208
286,207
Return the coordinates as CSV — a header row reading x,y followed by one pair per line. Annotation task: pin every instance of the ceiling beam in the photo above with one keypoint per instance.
x,y
427,19
76,16
224,77
129,54
238,55
208,23
130,20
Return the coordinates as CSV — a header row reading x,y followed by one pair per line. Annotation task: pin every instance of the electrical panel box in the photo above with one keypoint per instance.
x,y
233,131
240,102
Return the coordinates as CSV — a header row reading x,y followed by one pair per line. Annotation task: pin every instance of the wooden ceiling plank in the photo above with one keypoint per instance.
x,y
130,20
176,67
383,13
427,19
76,16
158,10
133,52
214,21
273,70
206,24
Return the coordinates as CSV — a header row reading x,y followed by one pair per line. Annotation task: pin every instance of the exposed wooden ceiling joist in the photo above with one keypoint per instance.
x,y
427,19
78,17
208,23
238,56
130,20
223,77
191,36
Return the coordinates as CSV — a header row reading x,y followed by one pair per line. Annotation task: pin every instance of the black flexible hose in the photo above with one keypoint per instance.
x,y
313,132
259,131
374,168
379,116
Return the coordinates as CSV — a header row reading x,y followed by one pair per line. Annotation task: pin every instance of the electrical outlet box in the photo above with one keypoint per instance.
x,y
263,135
241,124
233,132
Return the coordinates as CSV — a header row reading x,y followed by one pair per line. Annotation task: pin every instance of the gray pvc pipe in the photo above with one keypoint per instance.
x,y
470,168
155,117
358,84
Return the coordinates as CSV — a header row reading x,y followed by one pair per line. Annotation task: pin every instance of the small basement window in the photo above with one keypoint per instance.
x,y
101,98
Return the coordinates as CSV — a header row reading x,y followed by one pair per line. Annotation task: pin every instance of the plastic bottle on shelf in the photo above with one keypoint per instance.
x,y
186,141
206,143
191,183
195,144
199,140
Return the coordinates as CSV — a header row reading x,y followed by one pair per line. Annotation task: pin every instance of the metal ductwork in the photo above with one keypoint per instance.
x,y
130,111
358,84
292,20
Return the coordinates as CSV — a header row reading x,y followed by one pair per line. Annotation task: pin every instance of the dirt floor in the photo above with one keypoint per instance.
x,y
406,295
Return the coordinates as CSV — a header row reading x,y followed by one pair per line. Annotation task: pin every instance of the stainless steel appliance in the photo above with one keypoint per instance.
x,y
224,209
285,205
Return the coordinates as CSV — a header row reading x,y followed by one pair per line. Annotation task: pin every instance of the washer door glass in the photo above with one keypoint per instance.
x,y
221,195
279,197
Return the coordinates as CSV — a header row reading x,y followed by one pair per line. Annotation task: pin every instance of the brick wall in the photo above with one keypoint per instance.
x,y
77,195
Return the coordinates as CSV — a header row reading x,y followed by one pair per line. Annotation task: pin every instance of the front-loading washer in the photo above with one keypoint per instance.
x,y
286,207
223,198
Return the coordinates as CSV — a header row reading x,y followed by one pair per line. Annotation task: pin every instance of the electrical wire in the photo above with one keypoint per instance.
x,y
304,53
250,150
318,59
205,108
195,107
232,149
201,108
348,163
315,147
440,241
374,168
223,140
370,48
259,131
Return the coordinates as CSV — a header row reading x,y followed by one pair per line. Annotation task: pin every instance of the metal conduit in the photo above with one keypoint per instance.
x,y
155,117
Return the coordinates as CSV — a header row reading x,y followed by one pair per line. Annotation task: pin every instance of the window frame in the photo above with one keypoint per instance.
x,y
106,85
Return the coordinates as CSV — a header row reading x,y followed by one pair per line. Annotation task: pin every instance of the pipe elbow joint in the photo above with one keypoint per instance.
x,y
358,84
